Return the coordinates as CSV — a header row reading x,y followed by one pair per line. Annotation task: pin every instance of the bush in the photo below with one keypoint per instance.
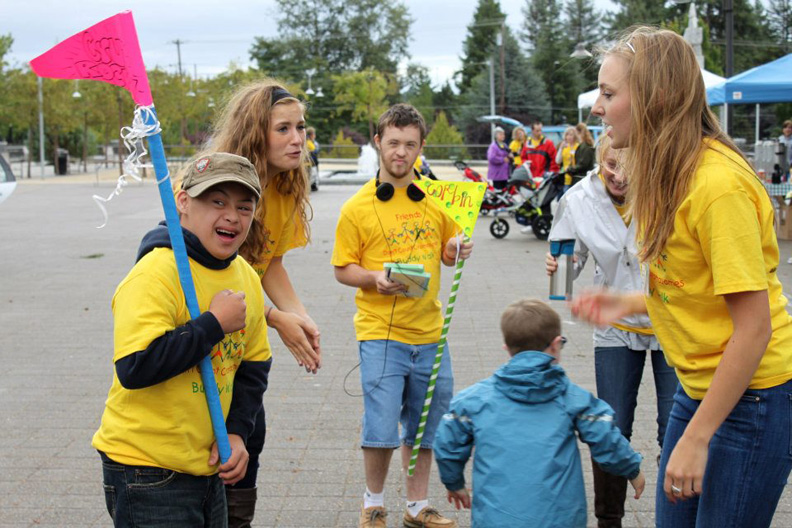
x,y
448,136
344,147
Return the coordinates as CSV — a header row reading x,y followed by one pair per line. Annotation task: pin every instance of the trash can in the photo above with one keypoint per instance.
x,y
62,163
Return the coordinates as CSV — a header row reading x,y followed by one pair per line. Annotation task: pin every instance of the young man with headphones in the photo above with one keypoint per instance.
x,y
389,220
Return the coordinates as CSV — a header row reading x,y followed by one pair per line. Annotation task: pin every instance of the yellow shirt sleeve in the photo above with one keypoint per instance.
x,y
734,256
347,242
144,308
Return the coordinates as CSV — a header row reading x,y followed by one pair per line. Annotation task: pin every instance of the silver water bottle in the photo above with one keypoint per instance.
x,y
561,280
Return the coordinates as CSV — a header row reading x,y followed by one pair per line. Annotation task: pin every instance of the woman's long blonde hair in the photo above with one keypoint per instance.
x,y
669,117
584,134
241,129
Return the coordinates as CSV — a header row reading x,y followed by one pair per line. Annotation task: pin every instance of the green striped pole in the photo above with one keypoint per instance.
x,y
436,367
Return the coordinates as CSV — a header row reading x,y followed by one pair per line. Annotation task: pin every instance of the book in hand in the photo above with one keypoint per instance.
x,y
412,276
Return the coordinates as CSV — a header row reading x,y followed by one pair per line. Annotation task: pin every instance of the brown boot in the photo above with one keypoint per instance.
x,y
241,507
610,491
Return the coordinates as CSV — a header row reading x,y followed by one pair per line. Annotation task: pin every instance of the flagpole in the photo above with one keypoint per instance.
x,y
185,277
436,366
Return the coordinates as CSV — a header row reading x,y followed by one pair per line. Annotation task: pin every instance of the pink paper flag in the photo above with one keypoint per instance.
x,y
108,51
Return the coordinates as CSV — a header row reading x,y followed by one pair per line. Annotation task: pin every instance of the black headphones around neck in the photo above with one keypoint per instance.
x,y
385,191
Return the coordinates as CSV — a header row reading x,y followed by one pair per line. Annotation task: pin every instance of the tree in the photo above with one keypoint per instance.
x,y
364,95
584,26
417,90
549,54
780,19
631,12
343,147
335,36
442,133
478,47
526,97
445,99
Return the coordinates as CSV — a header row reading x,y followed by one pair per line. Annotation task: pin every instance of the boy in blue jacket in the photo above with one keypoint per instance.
x,y
522,421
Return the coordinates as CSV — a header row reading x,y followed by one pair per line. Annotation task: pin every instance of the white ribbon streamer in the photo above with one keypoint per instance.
x,y
133,140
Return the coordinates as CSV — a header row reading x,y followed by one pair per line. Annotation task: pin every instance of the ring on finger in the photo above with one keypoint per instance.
x,y
675,490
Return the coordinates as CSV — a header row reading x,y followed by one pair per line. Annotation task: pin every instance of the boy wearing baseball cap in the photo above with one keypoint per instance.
x,y
159,457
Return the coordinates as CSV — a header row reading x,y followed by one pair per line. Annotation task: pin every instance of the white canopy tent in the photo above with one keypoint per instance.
x,y
587,100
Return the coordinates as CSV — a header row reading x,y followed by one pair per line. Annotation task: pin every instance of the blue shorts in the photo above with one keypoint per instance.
x,y
394,381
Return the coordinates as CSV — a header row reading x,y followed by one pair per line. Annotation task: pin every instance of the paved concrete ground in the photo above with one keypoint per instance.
x,y
57,277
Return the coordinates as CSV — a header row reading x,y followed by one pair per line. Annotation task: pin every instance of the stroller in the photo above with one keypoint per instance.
x,y
534,210
494,199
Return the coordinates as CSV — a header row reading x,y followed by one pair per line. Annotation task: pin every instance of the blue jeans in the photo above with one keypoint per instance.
x,y
143,496
394,377
749,461
619,371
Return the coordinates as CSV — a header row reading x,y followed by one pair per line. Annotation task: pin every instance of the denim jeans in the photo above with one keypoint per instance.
x,y
619,371
394,377
143,496
749,461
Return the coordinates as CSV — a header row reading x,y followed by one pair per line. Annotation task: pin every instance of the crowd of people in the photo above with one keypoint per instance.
x,y
681,233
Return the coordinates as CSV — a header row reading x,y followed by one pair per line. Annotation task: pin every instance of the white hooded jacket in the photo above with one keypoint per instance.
x,y
587,214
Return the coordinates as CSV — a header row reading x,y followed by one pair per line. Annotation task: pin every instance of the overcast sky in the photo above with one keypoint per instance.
x,y
215,36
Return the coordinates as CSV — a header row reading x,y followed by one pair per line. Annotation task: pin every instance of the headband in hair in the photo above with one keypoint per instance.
x,y
280,93
629,45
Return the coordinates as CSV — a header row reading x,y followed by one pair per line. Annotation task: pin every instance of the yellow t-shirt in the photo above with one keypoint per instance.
x,y
282,228
516,147
568,161
370,233
723,242
167,425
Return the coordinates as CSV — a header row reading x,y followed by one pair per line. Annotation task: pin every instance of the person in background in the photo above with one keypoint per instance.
x,y
540,152
565,157
312,146
584,154
498,159
516,146
786,139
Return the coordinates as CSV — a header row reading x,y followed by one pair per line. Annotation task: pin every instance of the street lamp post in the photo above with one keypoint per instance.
x,y
41,125
310,73
492,95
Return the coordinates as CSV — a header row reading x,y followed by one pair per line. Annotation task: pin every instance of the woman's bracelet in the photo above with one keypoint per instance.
x,y
267,312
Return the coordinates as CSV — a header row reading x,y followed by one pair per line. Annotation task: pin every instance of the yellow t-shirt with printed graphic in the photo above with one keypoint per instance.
x,y
167,425
282,227
723,242
568,161
516,148
370,233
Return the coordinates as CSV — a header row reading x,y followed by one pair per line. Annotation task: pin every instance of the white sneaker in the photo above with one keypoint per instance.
x,y
527,231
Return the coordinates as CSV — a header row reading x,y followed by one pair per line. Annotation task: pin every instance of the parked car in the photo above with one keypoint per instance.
x,y
7,181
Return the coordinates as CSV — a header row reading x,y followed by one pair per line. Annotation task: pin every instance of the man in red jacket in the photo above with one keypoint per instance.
x,y
541,152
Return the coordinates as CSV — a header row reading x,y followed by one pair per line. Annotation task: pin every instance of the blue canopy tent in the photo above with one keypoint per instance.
x,y
768,83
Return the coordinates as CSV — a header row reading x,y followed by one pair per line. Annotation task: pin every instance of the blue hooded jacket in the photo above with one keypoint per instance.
x,y
526,467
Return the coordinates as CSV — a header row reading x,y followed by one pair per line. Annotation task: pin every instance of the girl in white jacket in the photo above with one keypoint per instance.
x,y
594,213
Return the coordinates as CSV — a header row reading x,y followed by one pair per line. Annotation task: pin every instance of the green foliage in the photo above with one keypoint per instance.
x,y
526,97
343,147
333,37
442,133
550,49
363,95
631,12
480,41
418,91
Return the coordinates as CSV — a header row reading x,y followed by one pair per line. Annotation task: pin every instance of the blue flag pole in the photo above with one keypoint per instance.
x,y
185,277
